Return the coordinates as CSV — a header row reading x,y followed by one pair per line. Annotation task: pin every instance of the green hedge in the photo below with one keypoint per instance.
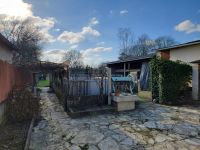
x,y
154,77
169,79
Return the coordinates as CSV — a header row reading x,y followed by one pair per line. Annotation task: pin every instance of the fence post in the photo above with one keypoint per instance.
x,y
109,85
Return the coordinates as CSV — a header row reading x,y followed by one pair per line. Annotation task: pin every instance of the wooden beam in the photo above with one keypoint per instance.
x,y
124,69
109,85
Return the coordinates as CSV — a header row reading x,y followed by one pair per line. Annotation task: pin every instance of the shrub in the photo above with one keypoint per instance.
x,y
22,105
169,79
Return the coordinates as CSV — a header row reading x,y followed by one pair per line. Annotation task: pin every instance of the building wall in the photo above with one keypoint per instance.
x,y
11,77
2,112
165,55
5,53
189,54
195,81
186,54
6,57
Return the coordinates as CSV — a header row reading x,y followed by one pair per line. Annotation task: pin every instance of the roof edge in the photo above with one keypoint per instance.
x,y
8,43
180,45
132,59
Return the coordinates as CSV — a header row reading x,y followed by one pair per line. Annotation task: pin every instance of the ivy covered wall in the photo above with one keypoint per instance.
x,y
169,79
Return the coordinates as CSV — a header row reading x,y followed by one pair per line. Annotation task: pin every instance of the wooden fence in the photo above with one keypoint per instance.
x,y
12,77
84,87
81,88
84,93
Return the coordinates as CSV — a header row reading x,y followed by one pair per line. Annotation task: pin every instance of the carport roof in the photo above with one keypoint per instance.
x,y
131,59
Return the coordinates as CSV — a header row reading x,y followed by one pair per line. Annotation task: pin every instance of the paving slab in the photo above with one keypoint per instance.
x,y
149,126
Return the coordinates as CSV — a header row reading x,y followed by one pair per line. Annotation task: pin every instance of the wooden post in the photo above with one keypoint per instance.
x,y
109,85
124,69
34,83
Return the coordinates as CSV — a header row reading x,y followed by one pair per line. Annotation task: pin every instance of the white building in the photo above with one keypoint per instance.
x,y
189,53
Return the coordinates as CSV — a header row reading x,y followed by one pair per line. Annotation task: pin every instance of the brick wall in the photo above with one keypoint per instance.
x,y
165,54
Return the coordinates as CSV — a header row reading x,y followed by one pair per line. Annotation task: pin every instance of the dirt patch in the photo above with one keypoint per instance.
x,y
13,135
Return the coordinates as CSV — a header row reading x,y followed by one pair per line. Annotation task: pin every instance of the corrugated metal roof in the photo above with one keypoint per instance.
x,y
133,59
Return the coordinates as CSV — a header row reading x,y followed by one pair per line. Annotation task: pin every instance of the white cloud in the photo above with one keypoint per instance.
x,y
111,12
19,10
57,29
54,55
16,8
90,31
90,51
73,46
100,43
76,37
188,27
91,56
71,37
123,12
93,21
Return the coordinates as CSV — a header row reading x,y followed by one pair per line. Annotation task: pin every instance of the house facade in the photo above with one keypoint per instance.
x,y
188,53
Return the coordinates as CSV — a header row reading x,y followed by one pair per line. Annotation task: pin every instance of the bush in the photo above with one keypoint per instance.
x,y
154,77
22,105
169,79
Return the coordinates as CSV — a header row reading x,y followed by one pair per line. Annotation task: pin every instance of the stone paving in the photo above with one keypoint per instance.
x,y
150,126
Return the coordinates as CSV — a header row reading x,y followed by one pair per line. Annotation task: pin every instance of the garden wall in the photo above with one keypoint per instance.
x,y
12,77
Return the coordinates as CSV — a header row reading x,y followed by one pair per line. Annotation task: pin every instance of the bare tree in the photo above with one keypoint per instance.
x,y
100,75
126,40
142,46
164,41
130,48
25,37
74,57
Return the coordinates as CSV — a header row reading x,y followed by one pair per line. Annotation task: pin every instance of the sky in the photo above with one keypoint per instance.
x,y
91,26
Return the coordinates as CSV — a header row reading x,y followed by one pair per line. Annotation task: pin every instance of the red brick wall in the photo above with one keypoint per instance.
x,y
12,77
165,54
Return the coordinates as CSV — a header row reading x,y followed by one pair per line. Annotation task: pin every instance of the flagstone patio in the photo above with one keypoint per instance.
x,y
149,126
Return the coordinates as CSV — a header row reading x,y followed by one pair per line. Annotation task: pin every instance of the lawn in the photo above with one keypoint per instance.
x,y
146,95
43,83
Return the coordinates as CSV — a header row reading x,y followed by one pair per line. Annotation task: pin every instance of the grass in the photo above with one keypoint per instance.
x,y
146,95
43,83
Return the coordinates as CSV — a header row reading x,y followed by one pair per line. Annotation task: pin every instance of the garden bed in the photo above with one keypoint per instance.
x,y
13,135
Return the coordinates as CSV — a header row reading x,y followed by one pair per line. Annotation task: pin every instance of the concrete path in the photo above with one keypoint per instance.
x,y
150,126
